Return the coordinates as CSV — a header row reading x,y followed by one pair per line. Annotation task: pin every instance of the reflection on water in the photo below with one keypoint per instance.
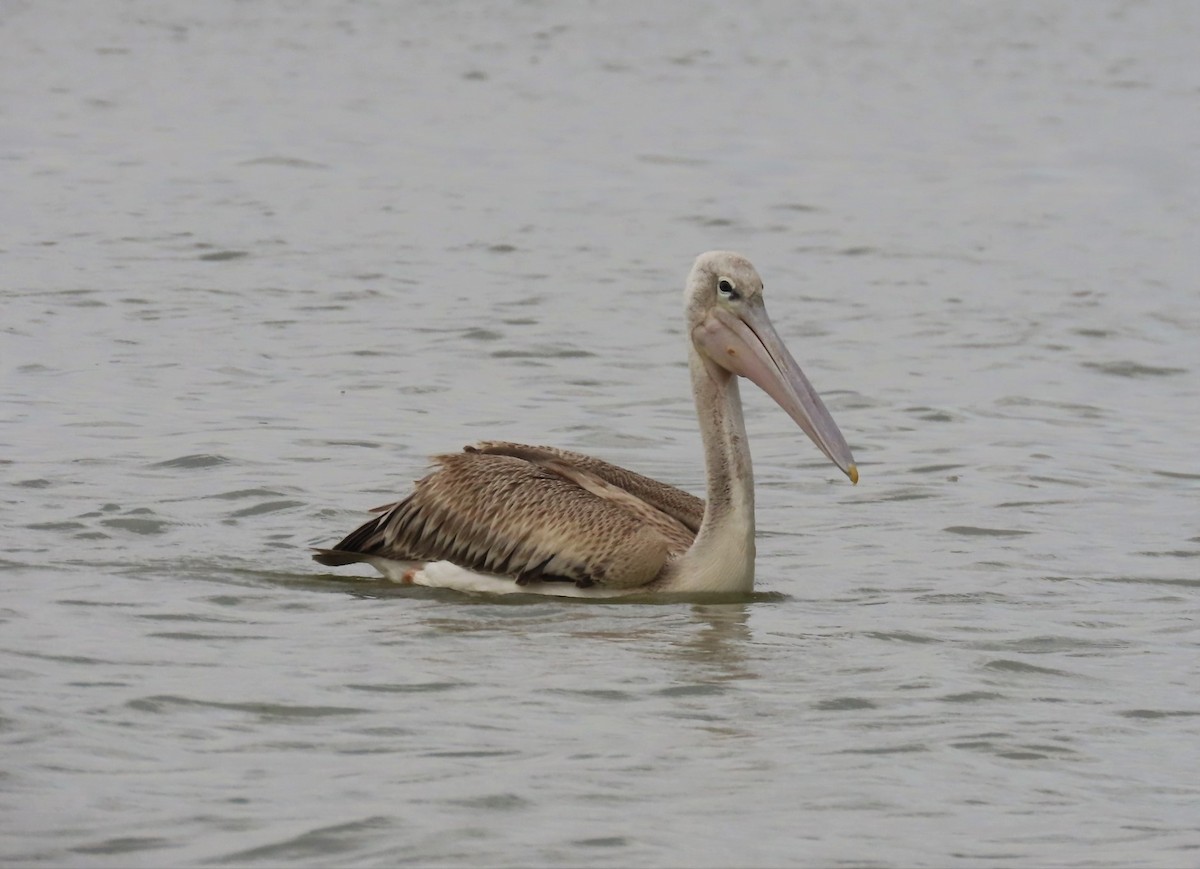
x,y
716,647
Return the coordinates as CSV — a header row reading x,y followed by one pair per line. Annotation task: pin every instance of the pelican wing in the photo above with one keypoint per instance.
x,y
676,503
541,515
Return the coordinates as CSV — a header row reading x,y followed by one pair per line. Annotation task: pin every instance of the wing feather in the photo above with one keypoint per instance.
x,y
674,502
529,513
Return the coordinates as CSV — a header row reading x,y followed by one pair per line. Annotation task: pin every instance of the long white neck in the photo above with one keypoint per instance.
x,y
721,559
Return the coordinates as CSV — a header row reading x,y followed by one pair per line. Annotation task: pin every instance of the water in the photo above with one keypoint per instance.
x,y
261,259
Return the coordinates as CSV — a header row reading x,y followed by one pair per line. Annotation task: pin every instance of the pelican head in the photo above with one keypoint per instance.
x,y
732,333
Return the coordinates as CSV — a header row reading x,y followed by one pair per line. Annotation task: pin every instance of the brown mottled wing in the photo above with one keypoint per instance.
x,y
676,503
509,516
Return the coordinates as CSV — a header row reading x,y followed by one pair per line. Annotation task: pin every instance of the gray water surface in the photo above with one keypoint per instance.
x,y
261,259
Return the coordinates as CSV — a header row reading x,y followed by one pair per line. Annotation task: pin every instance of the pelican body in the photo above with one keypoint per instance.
x,y
504,517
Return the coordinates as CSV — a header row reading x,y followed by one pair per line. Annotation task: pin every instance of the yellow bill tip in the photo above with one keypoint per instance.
x,y
852,473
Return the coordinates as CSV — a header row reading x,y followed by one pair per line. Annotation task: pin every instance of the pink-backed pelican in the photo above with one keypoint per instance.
x,y
504,517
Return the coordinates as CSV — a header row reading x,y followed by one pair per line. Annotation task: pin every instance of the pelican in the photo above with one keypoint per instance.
x,y
505,517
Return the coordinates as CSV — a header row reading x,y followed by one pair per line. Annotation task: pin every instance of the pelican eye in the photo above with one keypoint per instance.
x,y
727,290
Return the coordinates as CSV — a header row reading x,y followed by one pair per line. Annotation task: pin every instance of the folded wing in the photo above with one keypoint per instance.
x,y
532,513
